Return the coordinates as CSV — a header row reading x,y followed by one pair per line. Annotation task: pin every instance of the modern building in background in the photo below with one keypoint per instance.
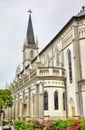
x,y
52,82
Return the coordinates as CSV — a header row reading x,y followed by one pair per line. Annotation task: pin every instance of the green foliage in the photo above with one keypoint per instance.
x,y
61,125
6,100
71,124
82,126
20,125
1,103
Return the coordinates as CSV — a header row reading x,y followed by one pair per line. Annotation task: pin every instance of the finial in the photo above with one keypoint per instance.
x,y
36,39
30,11
83,7
6,86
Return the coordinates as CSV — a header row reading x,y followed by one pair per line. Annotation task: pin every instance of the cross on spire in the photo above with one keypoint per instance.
x,y
30,33
30,11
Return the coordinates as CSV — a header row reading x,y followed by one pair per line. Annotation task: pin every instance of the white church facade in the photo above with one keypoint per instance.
x,y
52,82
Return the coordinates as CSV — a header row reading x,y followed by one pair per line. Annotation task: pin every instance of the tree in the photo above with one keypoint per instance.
x,y
6,100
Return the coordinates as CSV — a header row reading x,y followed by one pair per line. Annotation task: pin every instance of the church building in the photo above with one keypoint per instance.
x,y
52,82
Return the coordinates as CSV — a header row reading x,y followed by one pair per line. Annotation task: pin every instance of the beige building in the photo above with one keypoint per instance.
x,y
52,82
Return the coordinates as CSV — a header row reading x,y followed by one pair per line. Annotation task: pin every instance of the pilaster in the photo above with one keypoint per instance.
x,y
77,64
39,101
18,112
29,103
61,102
23,94
14,107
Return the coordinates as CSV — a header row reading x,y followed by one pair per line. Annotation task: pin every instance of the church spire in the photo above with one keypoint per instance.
x,y
30,33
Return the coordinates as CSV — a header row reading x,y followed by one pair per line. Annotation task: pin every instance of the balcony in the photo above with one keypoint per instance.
x,y
51,71
40,73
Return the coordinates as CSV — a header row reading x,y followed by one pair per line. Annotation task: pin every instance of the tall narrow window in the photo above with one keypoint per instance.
x,y
31,54
57,59
50,63
64,101
45,101
56,100
70,66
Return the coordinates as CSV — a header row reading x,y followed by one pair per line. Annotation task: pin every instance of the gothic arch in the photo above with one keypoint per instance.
x,y
45,100
56,100
57,56
69,63
57,49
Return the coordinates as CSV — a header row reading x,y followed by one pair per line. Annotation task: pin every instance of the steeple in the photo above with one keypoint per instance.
x,y
30,48
30,34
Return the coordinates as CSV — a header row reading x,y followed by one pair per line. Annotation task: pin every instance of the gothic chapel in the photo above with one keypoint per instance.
x,y
52,82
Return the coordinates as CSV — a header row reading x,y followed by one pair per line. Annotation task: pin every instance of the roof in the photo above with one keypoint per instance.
x,y
30,33
74,18
80,15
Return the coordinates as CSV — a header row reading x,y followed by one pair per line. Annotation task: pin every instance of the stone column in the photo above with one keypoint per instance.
x,y
29,102
22,104
80,101
77,63
37,101
14,107
39,112
11,112
41,101
18,113
66,103
61,102
8,113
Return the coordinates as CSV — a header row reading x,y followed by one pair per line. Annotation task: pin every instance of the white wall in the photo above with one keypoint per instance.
x,y
83,98
51,111
71,87
82,56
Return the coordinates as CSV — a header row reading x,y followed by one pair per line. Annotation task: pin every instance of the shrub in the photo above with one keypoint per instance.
x,y
19,125
71,124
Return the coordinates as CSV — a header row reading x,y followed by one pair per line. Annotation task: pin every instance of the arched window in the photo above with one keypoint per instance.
x,y
50,64
70,66
64,101
45,101
56,100
57,59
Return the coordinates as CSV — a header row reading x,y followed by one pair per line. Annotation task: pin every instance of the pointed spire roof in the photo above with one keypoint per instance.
x,y
30,33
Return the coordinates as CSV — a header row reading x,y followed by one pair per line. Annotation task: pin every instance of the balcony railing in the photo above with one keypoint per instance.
x,y
51,71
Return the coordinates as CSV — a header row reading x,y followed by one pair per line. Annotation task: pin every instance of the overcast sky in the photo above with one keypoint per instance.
x,y
48,18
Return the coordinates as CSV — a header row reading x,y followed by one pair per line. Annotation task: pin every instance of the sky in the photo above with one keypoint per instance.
x,y
48,18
